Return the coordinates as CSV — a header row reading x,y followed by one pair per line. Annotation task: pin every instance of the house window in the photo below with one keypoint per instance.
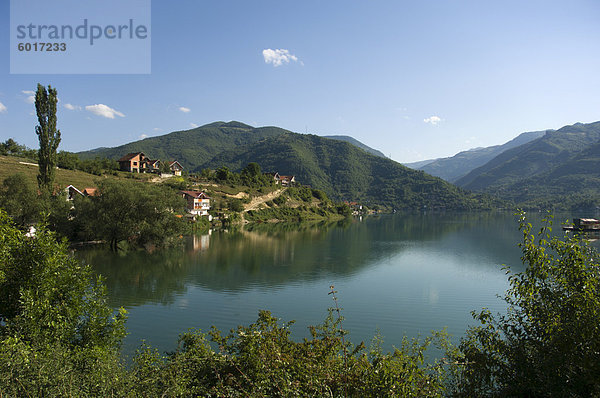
x,y
135,163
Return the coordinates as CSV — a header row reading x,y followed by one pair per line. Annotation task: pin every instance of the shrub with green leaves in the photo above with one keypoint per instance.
x,y
261,360
548,343
58,336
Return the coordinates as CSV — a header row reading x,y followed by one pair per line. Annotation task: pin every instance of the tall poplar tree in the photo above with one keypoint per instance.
x,y
48,135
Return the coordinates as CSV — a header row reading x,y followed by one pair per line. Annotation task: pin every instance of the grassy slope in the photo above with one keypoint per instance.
x,y
10,165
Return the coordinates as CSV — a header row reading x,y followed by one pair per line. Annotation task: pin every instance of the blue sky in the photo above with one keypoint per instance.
x,y
416,80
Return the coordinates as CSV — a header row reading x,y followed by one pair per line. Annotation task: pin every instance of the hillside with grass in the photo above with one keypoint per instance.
x,y
10,165
572,185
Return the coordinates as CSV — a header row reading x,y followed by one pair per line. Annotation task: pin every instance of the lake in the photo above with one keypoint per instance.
x,y
395,275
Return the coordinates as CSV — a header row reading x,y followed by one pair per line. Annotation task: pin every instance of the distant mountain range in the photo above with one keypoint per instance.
x,y
453,168
341,166
560,164
552,168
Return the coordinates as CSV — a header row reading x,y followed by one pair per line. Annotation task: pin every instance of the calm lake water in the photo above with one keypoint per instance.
x,y
396,275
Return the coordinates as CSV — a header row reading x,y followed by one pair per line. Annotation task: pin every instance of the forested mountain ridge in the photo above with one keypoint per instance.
x,y
342,170
573,184
356,143
198,145
191,147
346,172
533,158
454,167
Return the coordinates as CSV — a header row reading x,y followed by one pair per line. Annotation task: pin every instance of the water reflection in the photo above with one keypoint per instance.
x,y
201,242
270,256
401,274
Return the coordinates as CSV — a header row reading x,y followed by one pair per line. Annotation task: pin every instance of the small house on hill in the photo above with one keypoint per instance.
x,y
72,192
275,176
198,203
90,192
134,162
287,181
152,166
138,162
176,167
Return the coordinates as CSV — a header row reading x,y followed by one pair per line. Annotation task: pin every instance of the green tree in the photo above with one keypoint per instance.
x,y
48,135
252,169
58,336
548,342
129,210
18,197
164,167
10,147
235,204
223,173
68,160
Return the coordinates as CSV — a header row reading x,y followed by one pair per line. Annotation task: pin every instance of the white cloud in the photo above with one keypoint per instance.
x,y
30,96
433,120
72,107
184,109
156,129
143,136
2,108
278,57
193,125
104,111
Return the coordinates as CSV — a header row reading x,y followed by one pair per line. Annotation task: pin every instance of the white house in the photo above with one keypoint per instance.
x,y
198,203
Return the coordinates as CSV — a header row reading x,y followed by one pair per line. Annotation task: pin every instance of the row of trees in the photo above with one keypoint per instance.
x,y
123,210
12,148
58,337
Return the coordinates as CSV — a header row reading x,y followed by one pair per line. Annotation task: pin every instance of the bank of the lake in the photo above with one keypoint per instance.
x,y
396,275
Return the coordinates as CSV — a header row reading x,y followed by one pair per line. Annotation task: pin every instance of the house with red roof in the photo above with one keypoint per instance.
x,y
287,181
134,162
198,203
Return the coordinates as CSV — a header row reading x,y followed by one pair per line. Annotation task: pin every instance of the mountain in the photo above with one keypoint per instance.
x,y
196,146
418,165
342,170
562,162
356,143
457,166
191,147
346,172
575,182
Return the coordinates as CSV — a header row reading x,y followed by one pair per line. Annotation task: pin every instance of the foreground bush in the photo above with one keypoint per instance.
x,y
261,360
548,343
58,336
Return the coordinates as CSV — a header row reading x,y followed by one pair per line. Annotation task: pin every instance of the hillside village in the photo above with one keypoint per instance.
x,y
198,203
